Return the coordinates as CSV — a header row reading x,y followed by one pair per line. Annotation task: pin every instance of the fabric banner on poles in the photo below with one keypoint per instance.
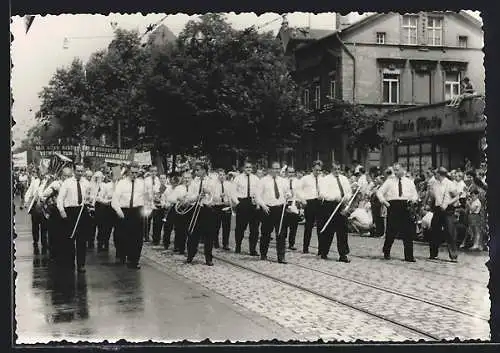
x,y
20,160
142,158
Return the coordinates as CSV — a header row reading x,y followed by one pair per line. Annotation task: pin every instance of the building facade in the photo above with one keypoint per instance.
x,y
388,63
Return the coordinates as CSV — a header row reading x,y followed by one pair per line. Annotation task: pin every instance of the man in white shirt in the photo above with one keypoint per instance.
x,y
23,185
104,214
70,201
38,221
292,211
129,199
308,193
246,210
222,207
334,189
162,214
202,191
178,196
153,186
271,195
396,194
445,195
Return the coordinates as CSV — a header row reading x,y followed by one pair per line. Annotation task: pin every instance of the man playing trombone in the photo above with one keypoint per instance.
x,y
202,221
272,195
70,203
335,192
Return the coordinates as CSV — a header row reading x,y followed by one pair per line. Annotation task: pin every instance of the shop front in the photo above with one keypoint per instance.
x,y
435,135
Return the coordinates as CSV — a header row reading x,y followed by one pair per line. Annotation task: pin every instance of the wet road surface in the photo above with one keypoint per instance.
x,y
111,302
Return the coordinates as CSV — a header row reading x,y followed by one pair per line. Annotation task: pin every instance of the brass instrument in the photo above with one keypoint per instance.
x,y
338,207
197,208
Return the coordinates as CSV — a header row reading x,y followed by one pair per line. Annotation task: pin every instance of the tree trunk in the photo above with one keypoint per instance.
x,y
174,162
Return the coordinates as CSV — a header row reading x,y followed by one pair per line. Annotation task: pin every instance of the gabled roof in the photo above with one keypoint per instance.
x,y
310,33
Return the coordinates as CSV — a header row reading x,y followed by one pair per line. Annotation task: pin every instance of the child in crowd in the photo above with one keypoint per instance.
x,y
474,206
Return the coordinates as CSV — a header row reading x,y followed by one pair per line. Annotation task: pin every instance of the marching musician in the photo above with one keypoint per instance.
x,y
246,210
398,193
164,210
104,214
129,199
37,186
153,185
222,208
22,184
95,187
55,222
334,188
201,191
181,220
70,203
309,193
292,215
272,195
445,195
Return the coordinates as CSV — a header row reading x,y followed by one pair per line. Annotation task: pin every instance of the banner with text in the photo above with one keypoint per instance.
x,y
110,153
20,160
142,158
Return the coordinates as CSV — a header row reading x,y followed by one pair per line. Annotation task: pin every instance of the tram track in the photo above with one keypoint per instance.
x,y
418,331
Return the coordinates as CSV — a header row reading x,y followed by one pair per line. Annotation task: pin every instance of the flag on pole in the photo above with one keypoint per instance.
x,y
28,21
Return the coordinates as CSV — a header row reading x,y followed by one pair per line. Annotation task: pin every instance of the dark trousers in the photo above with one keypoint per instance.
x,y
38,228
312,214
157,217
399,222
222,220
338,226
55,232
105,218
379,226
92,230
205,226
291,223
181,226
246,215
443,228
168,226
271,222
146,226
129,235
79,240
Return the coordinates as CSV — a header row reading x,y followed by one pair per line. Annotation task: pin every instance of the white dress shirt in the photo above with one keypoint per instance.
x,y
32,189
123,193
207,186
444,191
475,207
389,190
105,194
329,188
54,186
178,193
165,195
68,194
265,193
308,189
218,192
241,184
294,187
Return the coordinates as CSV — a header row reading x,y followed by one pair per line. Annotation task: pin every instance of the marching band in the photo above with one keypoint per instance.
x,y
70,207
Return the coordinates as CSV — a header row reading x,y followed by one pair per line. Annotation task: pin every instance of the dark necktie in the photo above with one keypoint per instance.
x,y
222,186
79,192
162,188
201,186
132,194
291,187
317,185
342,194
400,187
276,191
248,185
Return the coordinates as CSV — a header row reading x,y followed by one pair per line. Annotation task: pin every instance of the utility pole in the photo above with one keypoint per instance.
x,y
119,132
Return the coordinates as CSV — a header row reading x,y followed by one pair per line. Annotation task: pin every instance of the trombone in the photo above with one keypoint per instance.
x,y
197,208
337,208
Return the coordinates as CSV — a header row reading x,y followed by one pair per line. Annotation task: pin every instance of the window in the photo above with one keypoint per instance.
x,y
435,31
391,88
462,41
317,97
380,37
410,29
451,85
305,101
332,92
415,157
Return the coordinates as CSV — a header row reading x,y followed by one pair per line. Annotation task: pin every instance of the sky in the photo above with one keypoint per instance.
x,y
38,54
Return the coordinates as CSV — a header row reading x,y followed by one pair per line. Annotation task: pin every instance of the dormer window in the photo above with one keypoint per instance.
x,y
410,28
380,37
462,41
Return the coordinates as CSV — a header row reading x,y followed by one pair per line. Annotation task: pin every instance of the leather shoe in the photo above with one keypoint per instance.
x,y
387,257
344,259
263,257
254,253
411,260
209,263
282,262
227,248
292,248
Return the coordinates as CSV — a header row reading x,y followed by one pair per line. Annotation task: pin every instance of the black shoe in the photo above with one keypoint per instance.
x,y
237,251
292,248
324,257
146,240
81,269
305,251
227,248
176,251
254,253
455,260
209,263
189,261
411,260
216,246
263,257
156,242
282,261
344,259
36,250
387,257
433,257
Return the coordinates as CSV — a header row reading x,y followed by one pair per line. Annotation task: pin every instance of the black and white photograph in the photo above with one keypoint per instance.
x,y
245,177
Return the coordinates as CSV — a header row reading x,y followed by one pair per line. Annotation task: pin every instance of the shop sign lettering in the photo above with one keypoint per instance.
x,y
421,124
